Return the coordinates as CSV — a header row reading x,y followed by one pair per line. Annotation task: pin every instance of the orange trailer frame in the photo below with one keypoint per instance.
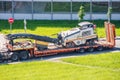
x,y
108,43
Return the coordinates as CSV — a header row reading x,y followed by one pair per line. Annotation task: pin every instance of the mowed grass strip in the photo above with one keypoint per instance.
x,y
105,60
54,71
46,70
50,28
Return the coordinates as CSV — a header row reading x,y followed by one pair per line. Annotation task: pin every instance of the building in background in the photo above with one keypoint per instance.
x,y
57,9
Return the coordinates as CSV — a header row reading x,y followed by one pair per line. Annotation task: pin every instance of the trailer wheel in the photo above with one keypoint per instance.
x,y
1,60
14,57
90,42
91,49
24,55
100,48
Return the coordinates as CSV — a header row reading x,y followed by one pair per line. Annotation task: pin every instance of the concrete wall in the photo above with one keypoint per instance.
x,y
57,16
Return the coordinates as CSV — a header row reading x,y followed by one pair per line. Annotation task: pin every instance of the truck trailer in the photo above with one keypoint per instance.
x,y
43,45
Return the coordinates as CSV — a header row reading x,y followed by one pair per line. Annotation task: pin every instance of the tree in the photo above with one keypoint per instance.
x,y
109,13
81,13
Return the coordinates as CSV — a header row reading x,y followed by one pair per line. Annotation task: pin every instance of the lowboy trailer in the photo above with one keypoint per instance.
x,y
26,50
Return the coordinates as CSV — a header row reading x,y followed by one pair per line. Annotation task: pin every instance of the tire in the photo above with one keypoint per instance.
x,y
24,55
91,49
90,42
1,60
14,57
81,50
100,48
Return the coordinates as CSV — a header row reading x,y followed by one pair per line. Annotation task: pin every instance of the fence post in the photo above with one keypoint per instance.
x,y
109,5
32,10
51,9
71,9
13,8
90,9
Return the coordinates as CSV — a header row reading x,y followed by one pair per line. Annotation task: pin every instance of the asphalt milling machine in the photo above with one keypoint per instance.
x,y
79,39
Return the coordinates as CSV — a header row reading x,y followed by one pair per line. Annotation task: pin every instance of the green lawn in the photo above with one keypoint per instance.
x,y
48,28
107,67
107,60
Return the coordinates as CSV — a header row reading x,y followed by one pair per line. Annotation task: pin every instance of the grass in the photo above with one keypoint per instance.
x,y
48,28
109,60
44,70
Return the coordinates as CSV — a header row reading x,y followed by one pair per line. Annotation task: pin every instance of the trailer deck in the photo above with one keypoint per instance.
x,y
27,49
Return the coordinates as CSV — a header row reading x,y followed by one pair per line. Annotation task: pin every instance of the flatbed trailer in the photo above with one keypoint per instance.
x,y
26,52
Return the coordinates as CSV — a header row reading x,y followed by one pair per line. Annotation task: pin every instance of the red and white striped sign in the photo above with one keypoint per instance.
x,y
11,20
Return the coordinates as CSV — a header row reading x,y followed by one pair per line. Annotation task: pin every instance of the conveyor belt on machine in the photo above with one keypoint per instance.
x,y
32,36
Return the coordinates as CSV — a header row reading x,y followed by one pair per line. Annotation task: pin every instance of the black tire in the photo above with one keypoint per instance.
x,y
14,57
100,48
1,60
90,42
81,50
24,55
91,49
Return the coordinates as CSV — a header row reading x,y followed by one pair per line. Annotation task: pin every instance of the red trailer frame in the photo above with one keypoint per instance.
x,y
99,45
